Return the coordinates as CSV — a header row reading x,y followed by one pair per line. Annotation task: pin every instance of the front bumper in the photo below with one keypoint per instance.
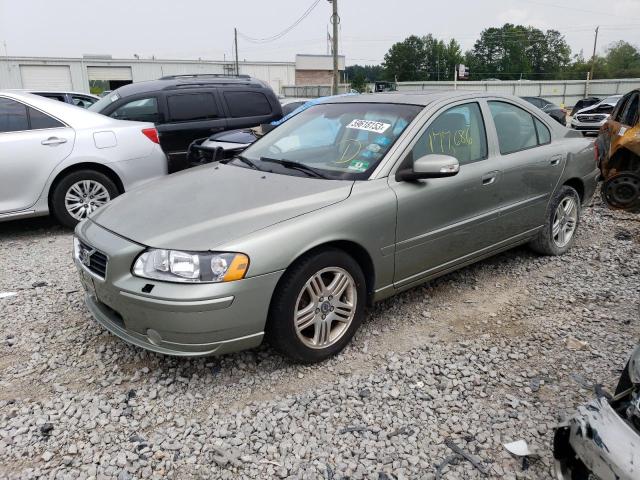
x,y
173,318
598,439
587,126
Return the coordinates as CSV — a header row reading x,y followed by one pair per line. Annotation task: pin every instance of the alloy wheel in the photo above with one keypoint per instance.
x,y
325,307
84,197
565,221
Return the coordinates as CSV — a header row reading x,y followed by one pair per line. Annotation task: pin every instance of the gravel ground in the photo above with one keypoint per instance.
x,y
493,353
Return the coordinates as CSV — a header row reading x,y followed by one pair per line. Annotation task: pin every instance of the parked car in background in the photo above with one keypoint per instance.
x,y
187,107
227,144
290,104
590,119
602,439
326,214
68,161
584,103
618,153
84,100
551,109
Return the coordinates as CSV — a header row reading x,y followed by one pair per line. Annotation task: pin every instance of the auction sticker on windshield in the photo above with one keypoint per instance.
x,y
369,125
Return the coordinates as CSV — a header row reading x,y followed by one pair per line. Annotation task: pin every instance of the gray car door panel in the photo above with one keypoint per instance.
x,y
529,174
443,219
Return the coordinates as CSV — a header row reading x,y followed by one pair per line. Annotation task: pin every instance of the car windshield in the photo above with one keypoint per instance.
x,y
611,100
103,102
339,141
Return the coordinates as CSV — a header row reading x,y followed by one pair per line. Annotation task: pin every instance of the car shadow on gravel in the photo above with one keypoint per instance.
x,y
35,227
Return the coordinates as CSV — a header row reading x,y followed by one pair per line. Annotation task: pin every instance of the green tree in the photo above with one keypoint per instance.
x,y
422,58
406,60
622,60
513,52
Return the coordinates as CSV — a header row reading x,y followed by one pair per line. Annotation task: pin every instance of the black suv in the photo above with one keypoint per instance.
x,y
186,107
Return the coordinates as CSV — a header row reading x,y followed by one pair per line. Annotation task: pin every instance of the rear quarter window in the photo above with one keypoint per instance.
x,y
247,104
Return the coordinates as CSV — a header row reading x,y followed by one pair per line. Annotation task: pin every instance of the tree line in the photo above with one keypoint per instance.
x,y
510,52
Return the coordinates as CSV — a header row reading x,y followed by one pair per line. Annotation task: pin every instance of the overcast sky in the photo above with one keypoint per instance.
x,y
191,29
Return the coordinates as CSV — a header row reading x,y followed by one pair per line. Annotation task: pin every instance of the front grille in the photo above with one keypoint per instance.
x,y
94,260
590,118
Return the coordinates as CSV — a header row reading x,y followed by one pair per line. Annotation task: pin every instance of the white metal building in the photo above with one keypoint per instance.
x,y
78,74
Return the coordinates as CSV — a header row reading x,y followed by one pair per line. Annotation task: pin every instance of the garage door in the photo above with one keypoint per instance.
x,y
46,77
109,73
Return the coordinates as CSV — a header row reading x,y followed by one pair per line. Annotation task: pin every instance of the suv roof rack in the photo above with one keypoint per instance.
x,y
204,75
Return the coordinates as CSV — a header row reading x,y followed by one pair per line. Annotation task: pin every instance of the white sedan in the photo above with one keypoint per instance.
x,y
60,159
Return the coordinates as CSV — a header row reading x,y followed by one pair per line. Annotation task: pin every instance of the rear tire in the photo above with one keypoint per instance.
x,y
318,305
560,225
79,193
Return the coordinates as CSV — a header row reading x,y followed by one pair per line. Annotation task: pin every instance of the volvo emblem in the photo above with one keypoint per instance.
x,y
85,256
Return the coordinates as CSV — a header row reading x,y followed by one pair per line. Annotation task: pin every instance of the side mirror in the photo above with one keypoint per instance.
x,y
429,166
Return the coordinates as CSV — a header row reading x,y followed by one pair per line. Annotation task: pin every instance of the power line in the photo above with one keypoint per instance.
x,y
283,32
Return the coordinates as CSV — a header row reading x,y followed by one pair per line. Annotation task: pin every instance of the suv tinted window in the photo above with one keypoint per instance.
x,y
13,116
247,104
458,131
142,110
191,106
42,120
514,127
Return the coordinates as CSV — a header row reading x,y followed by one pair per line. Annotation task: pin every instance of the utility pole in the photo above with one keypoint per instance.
x,y
235,42
593,57
335,20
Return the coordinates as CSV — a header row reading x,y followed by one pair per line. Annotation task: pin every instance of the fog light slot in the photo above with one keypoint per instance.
x,y
147,288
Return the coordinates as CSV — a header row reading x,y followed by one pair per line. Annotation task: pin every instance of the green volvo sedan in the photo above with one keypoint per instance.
x,y
343,205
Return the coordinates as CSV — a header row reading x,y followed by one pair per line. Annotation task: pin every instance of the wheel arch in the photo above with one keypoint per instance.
x,y
98,167
356,251
578,185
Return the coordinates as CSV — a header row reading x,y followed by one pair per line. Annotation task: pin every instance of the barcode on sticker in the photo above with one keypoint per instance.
x,y
369,125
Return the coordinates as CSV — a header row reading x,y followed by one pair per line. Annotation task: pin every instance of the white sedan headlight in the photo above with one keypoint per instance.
x,y
191,267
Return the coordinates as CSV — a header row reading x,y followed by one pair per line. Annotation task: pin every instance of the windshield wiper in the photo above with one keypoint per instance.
x,y
243,159
295,166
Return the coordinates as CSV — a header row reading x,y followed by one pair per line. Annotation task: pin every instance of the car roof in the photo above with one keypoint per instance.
x,y
42,90
187,81
421,97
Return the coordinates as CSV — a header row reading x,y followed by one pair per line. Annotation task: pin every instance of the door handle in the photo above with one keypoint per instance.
x,y
555,160
53,141
489,178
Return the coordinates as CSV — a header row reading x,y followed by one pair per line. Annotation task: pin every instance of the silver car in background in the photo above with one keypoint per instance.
x,y
346,203
590,119
60,159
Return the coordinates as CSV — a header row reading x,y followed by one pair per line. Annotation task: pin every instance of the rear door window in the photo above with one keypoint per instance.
x,y
191,106
544,135
41,120
247,104
13,116
141,110
514,126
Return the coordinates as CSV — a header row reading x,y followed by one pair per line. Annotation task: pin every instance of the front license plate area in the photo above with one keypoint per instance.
x,y
87,283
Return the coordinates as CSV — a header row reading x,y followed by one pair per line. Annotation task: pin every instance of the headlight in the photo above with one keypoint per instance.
x,y
177,266
634,366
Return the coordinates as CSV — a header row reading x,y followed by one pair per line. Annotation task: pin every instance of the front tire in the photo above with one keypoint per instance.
x,y
318,305
561,223
80,193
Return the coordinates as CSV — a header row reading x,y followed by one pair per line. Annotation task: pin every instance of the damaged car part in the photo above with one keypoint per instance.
x,y
603,437
618,154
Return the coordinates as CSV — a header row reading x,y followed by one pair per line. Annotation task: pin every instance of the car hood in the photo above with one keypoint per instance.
x,y
596,106
207,206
